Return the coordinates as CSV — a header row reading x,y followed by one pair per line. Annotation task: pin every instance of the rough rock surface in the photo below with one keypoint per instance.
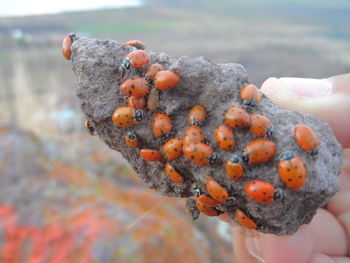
x,y
216,87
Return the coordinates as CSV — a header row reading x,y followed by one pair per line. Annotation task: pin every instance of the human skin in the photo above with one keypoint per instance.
x,y
326,238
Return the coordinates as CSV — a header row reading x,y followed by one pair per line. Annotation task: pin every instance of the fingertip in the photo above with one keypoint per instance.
x,y
320,258
286,249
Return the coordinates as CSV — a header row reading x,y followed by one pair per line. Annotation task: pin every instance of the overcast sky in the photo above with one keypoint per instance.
x,y
33,7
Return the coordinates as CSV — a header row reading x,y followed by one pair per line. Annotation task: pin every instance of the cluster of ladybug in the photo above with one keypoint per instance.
x,y
142,92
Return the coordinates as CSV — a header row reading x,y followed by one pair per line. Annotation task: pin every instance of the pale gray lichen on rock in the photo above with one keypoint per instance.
x,y
216,87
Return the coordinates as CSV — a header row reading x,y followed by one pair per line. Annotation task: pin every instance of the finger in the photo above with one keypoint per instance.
x,y
328,235
326,98
240,252
320,258
254,247
344,219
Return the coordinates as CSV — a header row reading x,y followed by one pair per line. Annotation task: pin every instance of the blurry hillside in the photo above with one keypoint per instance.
x,y
56,178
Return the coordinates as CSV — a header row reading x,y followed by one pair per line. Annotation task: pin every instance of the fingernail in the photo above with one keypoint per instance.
x,y
308,87
253,247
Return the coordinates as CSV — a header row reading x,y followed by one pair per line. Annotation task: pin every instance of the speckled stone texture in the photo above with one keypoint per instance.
x,y
216,87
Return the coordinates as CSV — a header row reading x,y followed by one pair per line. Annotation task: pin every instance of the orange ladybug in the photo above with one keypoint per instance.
x,y
173,174
234,168
209,211
173,148
137,102
224,137
135,59
200,153
135,43
259,151
152,70
197,115
90,129
127,116
131,139
150,155
207,201
260,125
306,138
262,192
166,79
153,98
237,117
216,191
161,125
66,46
292,171
250,95
193,134
245,220
135,87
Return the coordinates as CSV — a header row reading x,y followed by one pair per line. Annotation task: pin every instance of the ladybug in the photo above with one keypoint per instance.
x,y
224,137
161,125
260,125
152,70
306,138
153,98
89,128
197,115
237,117
245,220
262,192
234,167
166,79
259,151
292,171
193,134
173,148
207,201
135,43
192,208
173,174
195,190
200,153
135,59
216,191
127,116
66,46
250,95
137,102
135,87
131,139
208,211
150,155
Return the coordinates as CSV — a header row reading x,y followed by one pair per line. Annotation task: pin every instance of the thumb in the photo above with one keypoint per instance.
x,y
329,99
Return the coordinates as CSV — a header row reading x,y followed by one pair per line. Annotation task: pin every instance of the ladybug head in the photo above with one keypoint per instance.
x,y
270,131
249,103
314,151
131,135
235,159
288,155
72,37
245,156
196,191
278,194
194,122
214,159
126,64
139,115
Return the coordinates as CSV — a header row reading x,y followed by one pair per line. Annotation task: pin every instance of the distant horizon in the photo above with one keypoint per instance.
x,y
41,7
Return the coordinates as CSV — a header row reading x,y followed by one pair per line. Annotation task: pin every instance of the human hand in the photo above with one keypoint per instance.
x,y
327,238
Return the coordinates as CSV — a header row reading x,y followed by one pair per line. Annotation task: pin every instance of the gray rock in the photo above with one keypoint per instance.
x,y
216,87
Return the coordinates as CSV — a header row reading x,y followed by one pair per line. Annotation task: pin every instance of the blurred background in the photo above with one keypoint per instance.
x,y
64,196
